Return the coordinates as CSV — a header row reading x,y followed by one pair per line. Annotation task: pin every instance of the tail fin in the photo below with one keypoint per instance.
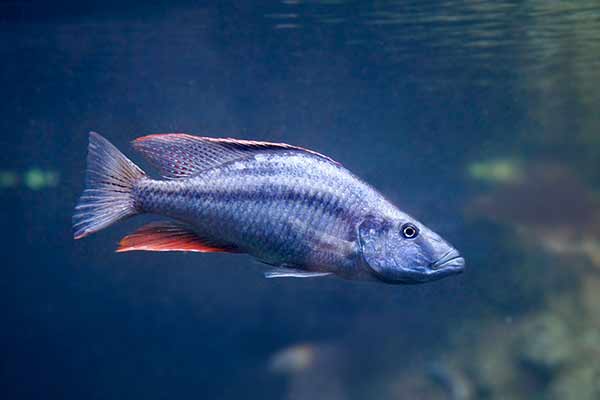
x,y
107,197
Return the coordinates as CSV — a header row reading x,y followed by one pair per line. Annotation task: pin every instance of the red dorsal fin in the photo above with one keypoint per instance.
x,y
179,155
170,236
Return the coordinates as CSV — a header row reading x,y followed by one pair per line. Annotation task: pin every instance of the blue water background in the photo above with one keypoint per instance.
x,y
406,101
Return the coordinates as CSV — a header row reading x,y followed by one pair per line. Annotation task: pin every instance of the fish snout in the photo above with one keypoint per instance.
x,y
451,261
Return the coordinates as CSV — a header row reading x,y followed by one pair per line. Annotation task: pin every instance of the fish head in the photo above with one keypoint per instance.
x,y
402,250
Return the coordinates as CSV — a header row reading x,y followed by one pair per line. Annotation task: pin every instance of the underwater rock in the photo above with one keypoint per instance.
x,y
589,294
546,204
452,380
296,358
314,371
549,353
581,383
411,385
545,342
490,361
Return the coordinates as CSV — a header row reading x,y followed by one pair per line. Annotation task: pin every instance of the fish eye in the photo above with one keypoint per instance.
x,y
409,231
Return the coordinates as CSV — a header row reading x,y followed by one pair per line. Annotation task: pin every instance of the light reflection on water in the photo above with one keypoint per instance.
x,y
479,36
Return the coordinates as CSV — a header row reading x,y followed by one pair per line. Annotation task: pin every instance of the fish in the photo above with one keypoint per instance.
x,y
296,210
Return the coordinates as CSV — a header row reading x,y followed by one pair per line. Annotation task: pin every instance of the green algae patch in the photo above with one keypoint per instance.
x,y
496,171
37,179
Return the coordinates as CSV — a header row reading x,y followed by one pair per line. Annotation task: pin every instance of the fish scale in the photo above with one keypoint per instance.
x,y
298,199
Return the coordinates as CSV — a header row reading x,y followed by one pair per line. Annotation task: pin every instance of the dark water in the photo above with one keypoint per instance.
x,y
478,117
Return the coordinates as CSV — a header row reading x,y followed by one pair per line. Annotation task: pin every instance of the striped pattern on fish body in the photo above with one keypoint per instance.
x,y
287,206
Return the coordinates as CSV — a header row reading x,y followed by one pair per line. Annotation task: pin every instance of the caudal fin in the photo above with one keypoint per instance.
x,y
107,197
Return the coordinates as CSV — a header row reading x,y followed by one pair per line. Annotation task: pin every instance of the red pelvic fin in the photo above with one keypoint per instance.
x,y
169,236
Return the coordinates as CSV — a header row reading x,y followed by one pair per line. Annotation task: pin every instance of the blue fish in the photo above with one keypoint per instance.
x,y
294,209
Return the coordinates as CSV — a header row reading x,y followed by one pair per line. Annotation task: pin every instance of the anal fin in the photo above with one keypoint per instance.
x,y
170,236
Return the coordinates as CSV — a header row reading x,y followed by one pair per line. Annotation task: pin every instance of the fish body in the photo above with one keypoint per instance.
x,y
284,208
291,208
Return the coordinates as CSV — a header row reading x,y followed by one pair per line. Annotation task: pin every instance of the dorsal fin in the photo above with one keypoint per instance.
x,y
179,155
170,236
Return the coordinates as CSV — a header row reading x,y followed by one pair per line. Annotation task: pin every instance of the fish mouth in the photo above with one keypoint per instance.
x,y
450,261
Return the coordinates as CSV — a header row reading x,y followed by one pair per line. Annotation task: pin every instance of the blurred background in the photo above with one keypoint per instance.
x,y
479,118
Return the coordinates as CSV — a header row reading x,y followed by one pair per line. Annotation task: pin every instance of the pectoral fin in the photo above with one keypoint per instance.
x,y
284,272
